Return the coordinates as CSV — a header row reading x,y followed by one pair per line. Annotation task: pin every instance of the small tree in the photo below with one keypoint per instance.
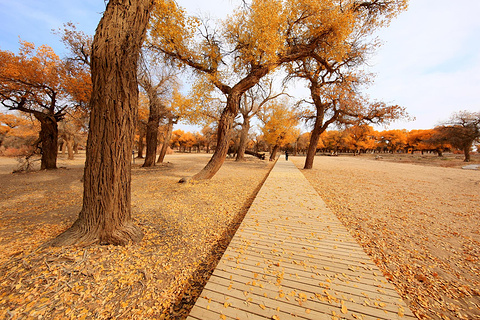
x,y
359,138
462,130
35,82
279,126
393,140
252,102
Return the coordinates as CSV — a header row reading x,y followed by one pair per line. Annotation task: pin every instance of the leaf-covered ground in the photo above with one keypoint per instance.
x,y
186,228
420,224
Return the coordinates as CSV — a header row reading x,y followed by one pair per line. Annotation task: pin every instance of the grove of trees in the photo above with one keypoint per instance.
x,y
122,88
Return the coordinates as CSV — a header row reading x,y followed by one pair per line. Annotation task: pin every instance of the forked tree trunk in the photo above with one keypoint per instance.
x,y
49,140
106,213
152,135
243,139
166,141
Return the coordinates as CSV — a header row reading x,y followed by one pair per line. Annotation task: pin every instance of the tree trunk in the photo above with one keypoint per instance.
x,y
314,138
70,140
106,213
273,155
466,152
152,135
49,141
224,126
166,141
318,127
243,139
140,145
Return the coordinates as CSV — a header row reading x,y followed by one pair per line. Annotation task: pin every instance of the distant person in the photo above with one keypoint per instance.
x,y
286,155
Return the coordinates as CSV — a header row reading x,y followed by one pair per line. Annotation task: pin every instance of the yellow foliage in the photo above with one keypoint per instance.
x,y
279,124
268,33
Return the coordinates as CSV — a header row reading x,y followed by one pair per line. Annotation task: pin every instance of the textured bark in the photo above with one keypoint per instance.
x,y
49,140
224,127
273,155
166,141
152,135
106,213
318,127
312,147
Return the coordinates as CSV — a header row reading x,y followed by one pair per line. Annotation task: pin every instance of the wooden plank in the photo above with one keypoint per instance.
x,y
356,300
309,278
314,246
292,259
300,298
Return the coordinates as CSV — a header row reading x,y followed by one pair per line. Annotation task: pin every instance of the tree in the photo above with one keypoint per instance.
x,y
252,102
141,124
78,43
279,126
257,39
462,130
302,143
333,140
17,131
334,79
426,140
69,136
106,212
34,82
359,138
210,137
156,80
393,140
77,63
179,108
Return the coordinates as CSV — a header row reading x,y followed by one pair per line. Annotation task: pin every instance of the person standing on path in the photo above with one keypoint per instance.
x,y
286,155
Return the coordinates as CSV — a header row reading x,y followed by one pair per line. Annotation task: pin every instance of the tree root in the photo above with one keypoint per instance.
x,y
80,235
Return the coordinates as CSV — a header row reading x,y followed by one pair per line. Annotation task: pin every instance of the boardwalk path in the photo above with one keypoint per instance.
x,y
291,258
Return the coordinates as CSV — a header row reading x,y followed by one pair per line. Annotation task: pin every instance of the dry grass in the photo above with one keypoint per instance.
x,y
186,227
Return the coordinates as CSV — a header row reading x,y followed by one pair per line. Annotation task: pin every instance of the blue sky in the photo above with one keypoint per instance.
x,y
429,61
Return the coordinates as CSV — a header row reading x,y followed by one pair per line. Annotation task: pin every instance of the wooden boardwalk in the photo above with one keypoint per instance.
x,y
291,258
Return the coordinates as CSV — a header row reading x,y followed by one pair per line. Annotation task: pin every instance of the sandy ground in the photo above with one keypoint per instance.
x,y
420,224
186,227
